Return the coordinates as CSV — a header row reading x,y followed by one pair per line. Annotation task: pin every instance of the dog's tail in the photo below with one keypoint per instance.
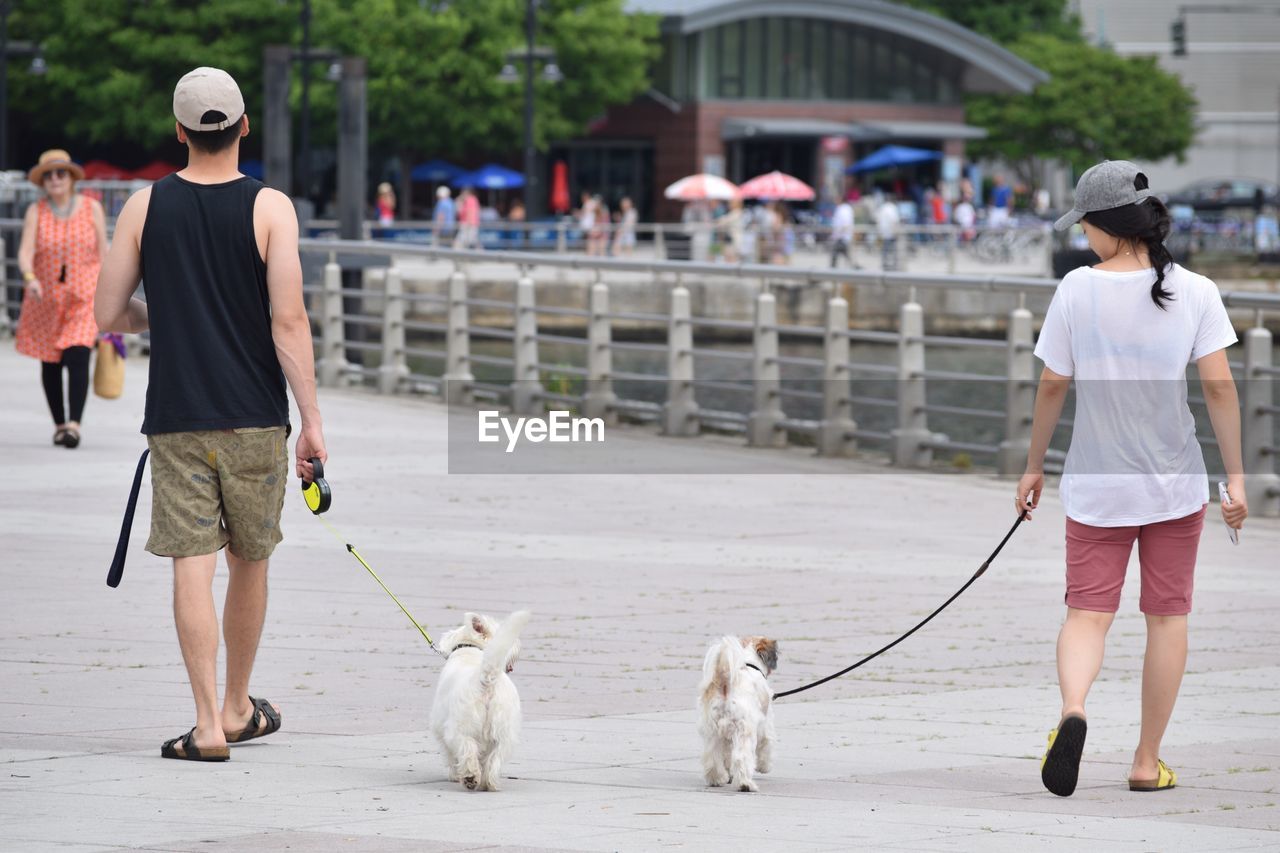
x,y
502,646
722,666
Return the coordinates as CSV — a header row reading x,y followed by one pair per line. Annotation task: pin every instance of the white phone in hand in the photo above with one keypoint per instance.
x,y
1225,497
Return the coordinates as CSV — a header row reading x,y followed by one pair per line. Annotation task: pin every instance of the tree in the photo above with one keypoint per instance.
x,y
1096,105
113,63
433,66
1005,22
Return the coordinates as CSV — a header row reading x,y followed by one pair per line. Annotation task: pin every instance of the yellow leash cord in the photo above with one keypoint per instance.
x,y
369,569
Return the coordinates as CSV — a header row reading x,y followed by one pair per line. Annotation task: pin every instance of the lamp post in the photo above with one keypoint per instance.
x,y
550,73
8,49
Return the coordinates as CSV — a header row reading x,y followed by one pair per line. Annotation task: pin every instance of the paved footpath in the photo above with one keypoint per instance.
x,y
933,747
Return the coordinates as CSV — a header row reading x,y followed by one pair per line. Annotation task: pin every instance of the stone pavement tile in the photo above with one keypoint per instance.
x,y
323,842
1228,813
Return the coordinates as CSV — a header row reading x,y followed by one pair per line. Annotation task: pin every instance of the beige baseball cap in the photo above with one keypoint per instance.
x,y
204,90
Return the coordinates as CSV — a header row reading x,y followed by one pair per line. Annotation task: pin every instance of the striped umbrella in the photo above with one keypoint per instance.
x,y
776,185
702,188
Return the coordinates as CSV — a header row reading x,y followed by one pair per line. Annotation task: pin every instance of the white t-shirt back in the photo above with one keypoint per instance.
x,y
1134,458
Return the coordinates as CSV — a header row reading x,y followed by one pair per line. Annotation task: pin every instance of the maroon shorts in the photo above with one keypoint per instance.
x,y
1098,556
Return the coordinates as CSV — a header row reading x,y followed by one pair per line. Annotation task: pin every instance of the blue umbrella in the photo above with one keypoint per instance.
x,y
435,172
893,155
490,177
252,168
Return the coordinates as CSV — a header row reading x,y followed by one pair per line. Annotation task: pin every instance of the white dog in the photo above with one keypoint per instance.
x,y
476,711
736,707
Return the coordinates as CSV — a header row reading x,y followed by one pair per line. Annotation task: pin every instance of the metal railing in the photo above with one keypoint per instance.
x,y
833,428
706,241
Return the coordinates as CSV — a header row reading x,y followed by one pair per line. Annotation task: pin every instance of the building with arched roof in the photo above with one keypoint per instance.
x,y
747,86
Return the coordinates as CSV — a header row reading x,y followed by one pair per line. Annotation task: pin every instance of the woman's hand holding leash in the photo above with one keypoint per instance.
x,y
1029,489
33,288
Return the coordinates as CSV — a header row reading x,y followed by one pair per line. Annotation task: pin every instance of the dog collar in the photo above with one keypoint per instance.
x,y
464,646
756,668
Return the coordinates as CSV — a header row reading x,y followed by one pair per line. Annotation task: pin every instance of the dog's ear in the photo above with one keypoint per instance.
x,y
478,624
768,651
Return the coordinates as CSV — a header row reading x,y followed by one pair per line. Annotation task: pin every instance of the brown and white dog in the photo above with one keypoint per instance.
x,y
736,710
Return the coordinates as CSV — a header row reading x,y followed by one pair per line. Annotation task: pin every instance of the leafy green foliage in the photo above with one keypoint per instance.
x,y
433,66
1096,105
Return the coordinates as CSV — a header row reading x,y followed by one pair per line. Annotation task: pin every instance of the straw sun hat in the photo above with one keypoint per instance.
x,y
54,158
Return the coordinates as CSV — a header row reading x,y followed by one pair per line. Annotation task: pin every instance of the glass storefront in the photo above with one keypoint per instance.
x,y
805,59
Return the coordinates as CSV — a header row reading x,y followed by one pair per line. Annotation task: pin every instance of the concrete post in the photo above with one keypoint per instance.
x,y
526,388
353,166
599,399
394,369
562,237
277,124
1020,396
1262,484
953,248
659,242
913,423
332,368
680,414
766,376
457,365
834,438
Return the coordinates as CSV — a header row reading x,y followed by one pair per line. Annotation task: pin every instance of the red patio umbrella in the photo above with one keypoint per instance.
x,y
560,187
776,185
153,171
101,170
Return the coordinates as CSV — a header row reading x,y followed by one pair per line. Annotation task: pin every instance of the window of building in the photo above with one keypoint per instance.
x,y
794,58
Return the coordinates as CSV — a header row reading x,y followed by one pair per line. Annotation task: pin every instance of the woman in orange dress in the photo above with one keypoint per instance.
x,y
64,239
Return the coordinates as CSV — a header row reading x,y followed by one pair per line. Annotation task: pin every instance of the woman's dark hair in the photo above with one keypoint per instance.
x,y
213,141
1146,222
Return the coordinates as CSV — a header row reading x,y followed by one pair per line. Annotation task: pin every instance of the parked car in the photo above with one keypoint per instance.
x,y
1224,193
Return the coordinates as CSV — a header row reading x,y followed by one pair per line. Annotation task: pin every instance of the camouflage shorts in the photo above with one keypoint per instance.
x,y
212,488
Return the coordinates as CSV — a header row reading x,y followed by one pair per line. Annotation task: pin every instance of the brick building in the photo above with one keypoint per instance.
x,y
747,86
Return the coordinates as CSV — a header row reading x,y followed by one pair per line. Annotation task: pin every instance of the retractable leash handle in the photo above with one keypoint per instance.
x,y
316,491
848,669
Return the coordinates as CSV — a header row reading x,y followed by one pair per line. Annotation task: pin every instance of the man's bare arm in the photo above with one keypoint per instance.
x,y
290,326
115,308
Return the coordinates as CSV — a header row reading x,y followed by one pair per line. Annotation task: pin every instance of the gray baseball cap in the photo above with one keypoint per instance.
x,y
204,90
1103,187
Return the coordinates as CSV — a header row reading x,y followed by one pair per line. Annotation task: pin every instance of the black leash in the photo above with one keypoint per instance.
x,y
925,621
116,572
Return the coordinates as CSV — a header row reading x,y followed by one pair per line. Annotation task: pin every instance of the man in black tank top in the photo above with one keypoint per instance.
x,y
219,253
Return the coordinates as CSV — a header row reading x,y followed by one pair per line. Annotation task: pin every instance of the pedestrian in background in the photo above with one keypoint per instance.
x,y
468,220
1125,331
219,252
64,239
444,217
624,240
888,220
386,204
1001,203
842,234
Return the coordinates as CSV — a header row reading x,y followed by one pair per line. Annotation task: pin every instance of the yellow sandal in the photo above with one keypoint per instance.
x,y
1165,780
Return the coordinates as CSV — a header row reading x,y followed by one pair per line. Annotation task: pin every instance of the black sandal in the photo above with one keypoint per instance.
x,y
261,708
1060,767
60,436
191,752
72,439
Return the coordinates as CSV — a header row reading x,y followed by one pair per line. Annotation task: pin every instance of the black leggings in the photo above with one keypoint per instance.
x,y
76,361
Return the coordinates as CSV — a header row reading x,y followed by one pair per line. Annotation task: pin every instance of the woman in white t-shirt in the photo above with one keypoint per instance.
x,y
1125,331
